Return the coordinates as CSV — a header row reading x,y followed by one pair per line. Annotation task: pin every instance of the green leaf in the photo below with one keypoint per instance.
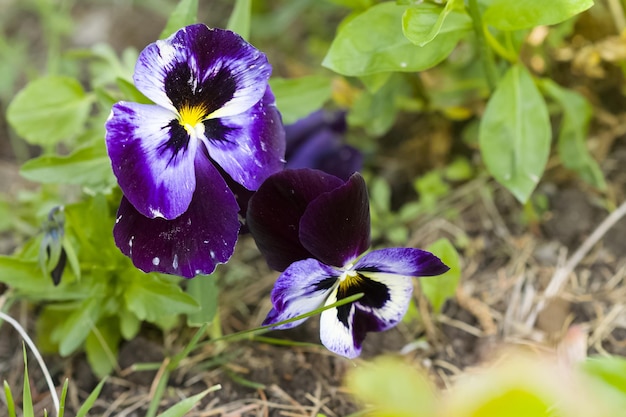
x,y
515,14
239,20
129,324
185,13
298,97
438,289
205,291
184,406
87,166
78,325
49,109
577,113
130,92
19,274
151,298
423,22
373,42
91,399
392,388
102,348
608,376
515,133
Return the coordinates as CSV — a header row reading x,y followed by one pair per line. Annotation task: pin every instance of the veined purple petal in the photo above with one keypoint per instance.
x,y
153,161
335,227
402,261
302,288
385,300
275,210
193,243
197,65
249,146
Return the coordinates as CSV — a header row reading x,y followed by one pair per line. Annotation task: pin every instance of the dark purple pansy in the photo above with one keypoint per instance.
x,y
213,134
317,141
314,227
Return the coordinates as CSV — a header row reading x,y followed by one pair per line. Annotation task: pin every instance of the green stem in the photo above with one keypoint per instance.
x,y
499,48
485,53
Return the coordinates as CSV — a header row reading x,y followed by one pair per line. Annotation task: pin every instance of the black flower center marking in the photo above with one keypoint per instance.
x,y
375,294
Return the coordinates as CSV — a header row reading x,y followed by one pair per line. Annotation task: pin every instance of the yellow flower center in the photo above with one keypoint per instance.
x,y
349,279
191,117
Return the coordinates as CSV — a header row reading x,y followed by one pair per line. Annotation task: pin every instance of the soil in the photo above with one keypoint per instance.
x,y
507,258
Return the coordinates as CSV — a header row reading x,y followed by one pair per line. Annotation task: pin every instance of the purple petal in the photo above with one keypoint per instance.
x,y
302,288
402,261
250,146
335,227
326,152
152,159
299,132
211,67
194,243
385,300
275,210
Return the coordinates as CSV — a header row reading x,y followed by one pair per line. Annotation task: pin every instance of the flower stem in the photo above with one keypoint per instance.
x,y
484,50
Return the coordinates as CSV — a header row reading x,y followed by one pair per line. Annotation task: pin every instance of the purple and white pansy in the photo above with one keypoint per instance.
x,y
315,228
213,123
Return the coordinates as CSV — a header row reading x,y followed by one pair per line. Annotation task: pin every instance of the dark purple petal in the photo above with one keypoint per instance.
x,y
302,288
326,152
250,146
317,142
152,159
192,244
335,227
199,66
275,210
385,301
402,261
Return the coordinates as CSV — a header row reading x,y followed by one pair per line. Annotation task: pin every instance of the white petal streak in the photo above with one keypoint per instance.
x,y
334,335
400,289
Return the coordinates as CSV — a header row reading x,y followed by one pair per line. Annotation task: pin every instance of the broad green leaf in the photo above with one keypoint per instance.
x,y
239,20
515,14
514,134
438,289
152,298
608,375
572,140
423,22
49,110
515,402
184,406
298,97
354,4
129,324
78,325
130,92
22,275
87,166
185,13
101,349
205,291
373,42
91,399
392,388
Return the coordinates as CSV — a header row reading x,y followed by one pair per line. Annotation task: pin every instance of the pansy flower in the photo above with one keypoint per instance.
x,y
315,227
213,123
317,141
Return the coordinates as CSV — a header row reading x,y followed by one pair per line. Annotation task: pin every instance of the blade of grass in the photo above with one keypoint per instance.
x,y
269,327
33,348
187,404
27,398
63,396
10,402
91,399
